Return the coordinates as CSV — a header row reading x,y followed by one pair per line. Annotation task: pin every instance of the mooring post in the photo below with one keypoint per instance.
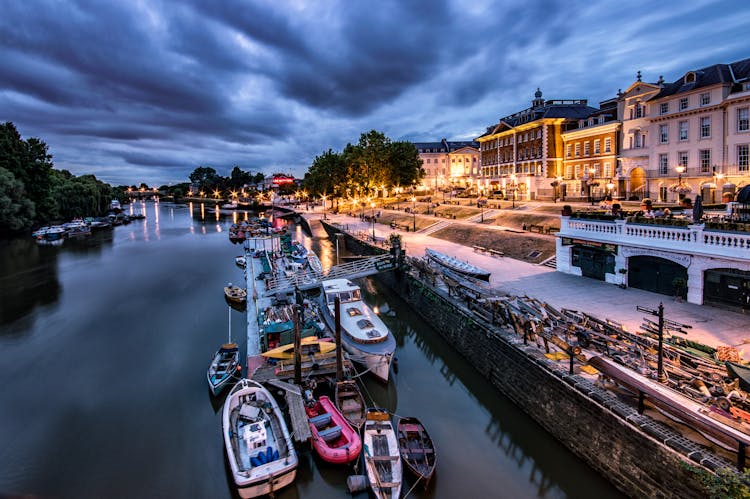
x,y
741,456
337,323
297,347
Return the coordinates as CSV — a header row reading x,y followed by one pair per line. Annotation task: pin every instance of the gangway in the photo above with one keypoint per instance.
x,y
312,278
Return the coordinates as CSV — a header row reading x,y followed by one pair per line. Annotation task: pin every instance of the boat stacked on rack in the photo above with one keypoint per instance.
x,y
257,441
363,334
459,266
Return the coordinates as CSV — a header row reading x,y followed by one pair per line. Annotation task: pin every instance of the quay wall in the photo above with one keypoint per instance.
x,y
639,455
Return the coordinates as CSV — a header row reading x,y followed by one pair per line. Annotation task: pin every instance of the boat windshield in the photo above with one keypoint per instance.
x,y
344,296
353,311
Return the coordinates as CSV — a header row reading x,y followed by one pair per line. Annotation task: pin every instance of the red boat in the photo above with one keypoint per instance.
x,y
332,437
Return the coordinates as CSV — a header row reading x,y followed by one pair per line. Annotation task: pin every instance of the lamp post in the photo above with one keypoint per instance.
x,y
372,206
610,186
680,169
513,188
324,206
414,213
592,172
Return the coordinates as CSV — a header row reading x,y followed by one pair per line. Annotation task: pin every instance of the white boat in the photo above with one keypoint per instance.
x,y
382,455
257,442
464,268
53,235
240,261
363,333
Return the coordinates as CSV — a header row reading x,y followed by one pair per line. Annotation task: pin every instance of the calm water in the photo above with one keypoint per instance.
x,y
104,345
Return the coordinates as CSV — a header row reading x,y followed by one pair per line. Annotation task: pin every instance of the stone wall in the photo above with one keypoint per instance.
x,y
640,456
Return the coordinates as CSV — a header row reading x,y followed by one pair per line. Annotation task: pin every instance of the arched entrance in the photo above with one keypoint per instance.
x,y
638,183
655,274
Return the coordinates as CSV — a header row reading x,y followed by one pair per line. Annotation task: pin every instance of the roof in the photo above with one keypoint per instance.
x,y
566,109
727,74
444,146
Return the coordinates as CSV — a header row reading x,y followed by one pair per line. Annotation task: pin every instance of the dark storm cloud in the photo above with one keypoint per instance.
x,y
157,88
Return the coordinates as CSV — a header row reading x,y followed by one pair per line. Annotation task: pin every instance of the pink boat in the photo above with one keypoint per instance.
x,y
332,437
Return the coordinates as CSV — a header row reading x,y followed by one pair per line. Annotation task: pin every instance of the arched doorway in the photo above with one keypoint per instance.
x,y
638,183
655,274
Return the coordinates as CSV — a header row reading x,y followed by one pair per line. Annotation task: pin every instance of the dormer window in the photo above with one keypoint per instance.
x,y
690,77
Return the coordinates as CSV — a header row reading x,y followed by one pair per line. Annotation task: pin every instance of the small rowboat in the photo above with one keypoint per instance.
x,y
464,268
417,449
235,294
382,457
224,367
332,437
351,403
310,345
240,261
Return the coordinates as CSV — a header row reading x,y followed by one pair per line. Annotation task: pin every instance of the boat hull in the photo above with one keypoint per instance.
x,y
416,448
463,268
382,458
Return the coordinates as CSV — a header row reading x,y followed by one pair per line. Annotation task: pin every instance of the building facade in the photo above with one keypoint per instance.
x,y
522,154
448,164
590,156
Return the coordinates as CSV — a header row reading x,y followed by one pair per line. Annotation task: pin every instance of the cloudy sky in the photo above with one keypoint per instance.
x,y
146,91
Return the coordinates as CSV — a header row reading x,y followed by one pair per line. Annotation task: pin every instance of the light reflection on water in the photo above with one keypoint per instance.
x,y
103,350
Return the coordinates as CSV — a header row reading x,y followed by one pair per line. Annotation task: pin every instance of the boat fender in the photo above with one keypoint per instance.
x,y
262,457
269,454
275,455
255,461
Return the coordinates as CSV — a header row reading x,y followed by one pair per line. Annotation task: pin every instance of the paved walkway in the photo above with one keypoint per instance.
x,y
710,325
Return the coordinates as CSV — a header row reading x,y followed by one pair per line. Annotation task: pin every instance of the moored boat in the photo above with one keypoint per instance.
x,y
259,447
351,402
332,437
225,365
459,266
382,456
741,372
240,261
417,448
364,335
235,294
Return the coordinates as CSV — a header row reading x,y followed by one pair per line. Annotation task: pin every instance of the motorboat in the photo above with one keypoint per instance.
x,y
257,441
363,334
235,294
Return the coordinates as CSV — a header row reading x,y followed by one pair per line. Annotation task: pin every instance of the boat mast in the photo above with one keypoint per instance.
x,y
230,324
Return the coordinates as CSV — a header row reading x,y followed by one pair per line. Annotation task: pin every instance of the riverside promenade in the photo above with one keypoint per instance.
x,y
710,325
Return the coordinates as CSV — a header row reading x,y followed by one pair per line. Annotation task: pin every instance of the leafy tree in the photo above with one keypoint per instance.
x,y
238,178
206,177
31,164
325,175
405,167
16,211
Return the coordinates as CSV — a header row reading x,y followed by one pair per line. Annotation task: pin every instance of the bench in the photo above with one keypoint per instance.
x,y
330,434
479,249
321,420
535,227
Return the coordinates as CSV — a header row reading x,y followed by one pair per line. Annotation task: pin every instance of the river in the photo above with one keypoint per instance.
x,y
104,345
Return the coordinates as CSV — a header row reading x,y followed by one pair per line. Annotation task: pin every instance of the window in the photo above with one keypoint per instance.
x,y
607,145
607,170
742,157
597,146
704,156
682,158
663,164
706,127
705,99
597,171
683,130
664,108
663,134
578,149
743,120
683,103
586,148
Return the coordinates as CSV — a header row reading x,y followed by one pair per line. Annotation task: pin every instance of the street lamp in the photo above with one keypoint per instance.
x,y
719,178
372,206
590,183
414,213
610,185
513,187
680,169
324,206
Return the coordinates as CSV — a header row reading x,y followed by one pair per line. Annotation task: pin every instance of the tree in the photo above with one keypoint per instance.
x,y
16,210
325,175
405,167
238,178
206,177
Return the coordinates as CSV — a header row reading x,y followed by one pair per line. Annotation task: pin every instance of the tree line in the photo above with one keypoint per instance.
x,y
32,192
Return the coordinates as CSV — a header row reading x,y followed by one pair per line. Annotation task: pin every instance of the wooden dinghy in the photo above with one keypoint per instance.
x,y
458,266
416,448
382,457
351,403
224,367
332,438
235,294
